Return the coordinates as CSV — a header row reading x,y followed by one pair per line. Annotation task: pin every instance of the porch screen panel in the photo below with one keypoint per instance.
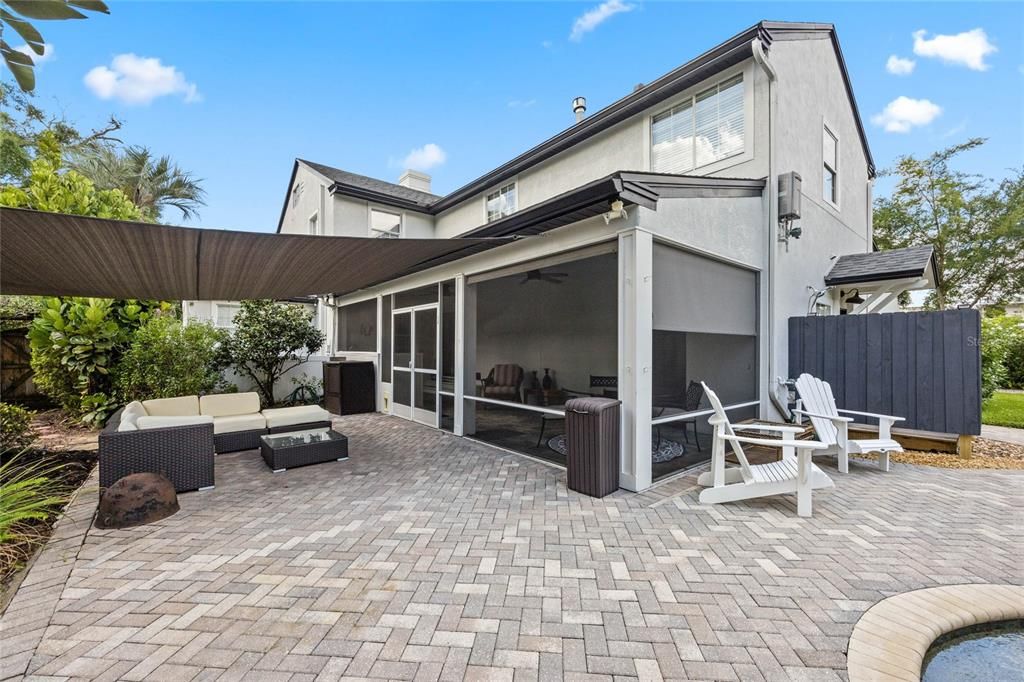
x,y
448,336
696,294
357,327
705,330
385,359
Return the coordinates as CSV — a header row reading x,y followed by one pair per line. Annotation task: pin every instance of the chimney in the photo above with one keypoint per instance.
x,y
579,107
415,180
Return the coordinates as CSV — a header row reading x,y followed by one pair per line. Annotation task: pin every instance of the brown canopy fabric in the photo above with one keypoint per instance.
x,y
58,254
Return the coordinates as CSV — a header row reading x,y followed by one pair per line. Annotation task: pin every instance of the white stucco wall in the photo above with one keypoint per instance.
x,y
812,93
729,228
311,199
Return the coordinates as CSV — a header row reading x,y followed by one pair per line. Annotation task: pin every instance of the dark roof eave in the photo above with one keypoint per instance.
x,y
916,273
377,197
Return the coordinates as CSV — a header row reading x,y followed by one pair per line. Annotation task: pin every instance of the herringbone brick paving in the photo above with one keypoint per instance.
x,y
427,556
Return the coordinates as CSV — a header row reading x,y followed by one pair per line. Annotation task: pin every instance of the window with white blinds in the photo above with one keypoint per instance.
x,y
701,130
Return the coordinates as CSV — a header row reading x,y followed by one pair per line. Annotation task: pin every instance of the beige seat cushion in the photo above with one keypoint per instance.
x,y
239,422
129,416
303,414
185,406
229,404
162,422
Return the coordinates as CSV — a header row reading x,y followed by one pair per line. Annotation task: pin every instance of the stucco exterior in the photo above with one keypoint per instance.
x,y
794,86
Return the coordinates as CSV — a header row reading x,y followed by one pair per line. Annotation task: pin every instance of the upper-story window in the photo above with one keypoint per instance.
x,y
385,225
830,166
501,202
703,129
314,223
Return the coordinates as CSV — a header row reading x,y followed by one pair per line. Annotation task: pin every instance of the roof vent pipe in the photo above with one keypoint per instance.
x,y
579,107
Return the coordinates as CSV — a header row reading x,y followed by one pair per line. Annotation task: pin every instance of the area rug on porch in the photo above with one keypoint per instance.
x,y
668,450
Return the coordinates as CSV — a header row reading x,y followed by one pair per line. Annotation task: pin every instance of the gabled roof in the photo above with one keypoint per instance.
x,y
860,268
356,183
732,51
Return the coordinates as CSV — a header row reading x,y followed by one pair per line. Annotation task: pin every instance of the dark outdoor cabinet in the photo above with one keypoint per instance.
x,y
592,437
349,387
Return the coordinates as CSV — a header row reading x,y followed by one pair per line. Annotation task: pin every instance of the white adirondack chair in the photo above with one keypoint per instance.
x,y
794,474
818,403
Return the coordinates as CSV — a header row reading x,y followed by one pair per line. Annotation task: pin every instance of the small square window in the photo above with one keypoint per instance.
x,y
385,225
224,315
501,202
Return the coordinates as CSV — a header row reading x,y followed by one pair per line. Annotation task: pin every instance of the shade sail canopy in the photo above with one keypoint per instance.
x,y
58,254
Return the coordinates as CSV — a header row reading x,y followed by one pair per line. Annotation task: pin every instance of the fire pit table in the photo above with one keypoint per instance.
x,y
287,450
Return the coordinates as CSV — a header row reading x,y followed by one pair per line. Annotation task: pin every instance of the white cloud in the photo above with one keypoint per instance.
x,y
424,158
966,49
139,80
900,66
546,44
521,103
37,59
904,113
592,18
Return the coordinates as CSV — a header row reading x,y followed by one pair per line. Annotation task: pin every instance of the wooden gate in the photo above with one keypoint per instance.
x,y
16,383
925,366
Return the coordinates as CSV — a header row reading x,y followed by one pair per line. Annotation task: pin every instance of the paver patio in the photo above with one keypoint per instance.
x,y
427,556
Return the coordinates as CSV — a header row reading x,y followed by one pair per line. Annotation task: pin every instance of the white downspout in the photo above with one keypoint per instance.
x,y
761,59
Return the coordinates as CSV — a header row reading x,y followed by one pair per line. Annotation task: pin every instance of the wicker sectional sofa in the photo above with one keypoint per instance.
x,y
178,437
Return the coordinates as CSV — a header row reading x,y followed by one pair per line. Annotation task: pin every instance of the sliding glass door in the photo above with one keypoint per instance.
x,y
414,348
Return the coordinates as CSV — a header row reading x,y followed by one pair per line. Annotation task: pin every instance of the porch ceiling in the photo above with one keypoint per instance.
x,y
58,254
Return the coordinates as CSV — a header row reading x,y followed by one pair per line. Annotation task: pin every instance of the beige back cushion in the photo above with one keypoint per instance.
x,y
129,414
229,404
186,406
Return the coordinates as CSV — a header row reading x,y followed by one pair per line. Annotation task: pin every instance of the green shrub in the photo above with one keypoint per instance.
x,y
269,340
168,359
1002,343
75,344
30,491
15,427
1014,361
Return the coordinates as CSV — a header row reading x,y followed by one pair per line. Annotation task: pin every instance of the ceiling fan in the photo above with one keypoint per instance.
x,y
541,276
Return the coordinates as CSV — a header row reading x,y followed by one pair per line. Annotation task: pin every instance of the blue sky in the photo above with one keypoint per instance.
x,y
242,88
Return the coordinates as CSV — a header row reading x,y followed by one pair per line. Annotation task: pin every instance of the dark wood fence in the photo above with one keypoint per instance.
x,y
923,366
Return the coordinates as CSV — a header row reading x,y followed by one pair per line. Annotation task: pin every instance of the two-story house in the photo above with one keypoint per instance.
x,y
651,254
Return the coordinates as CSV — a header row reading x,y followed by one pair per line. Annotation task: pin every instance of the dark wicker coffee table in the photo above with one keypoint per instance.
x,y
287,450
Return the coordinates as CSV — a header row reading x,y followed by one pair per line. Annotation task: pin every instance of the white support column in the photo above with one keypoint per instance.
x,y
460,351
380,356
636,316
466,354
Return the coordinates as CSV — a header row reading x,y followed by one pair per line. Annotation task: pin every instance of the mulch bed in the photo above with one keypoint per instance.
x,y
988,454
73,449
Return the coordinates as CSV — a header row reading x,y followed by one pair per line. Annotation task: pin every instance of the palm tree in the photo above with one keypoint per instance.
x,y
152,183
15,15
